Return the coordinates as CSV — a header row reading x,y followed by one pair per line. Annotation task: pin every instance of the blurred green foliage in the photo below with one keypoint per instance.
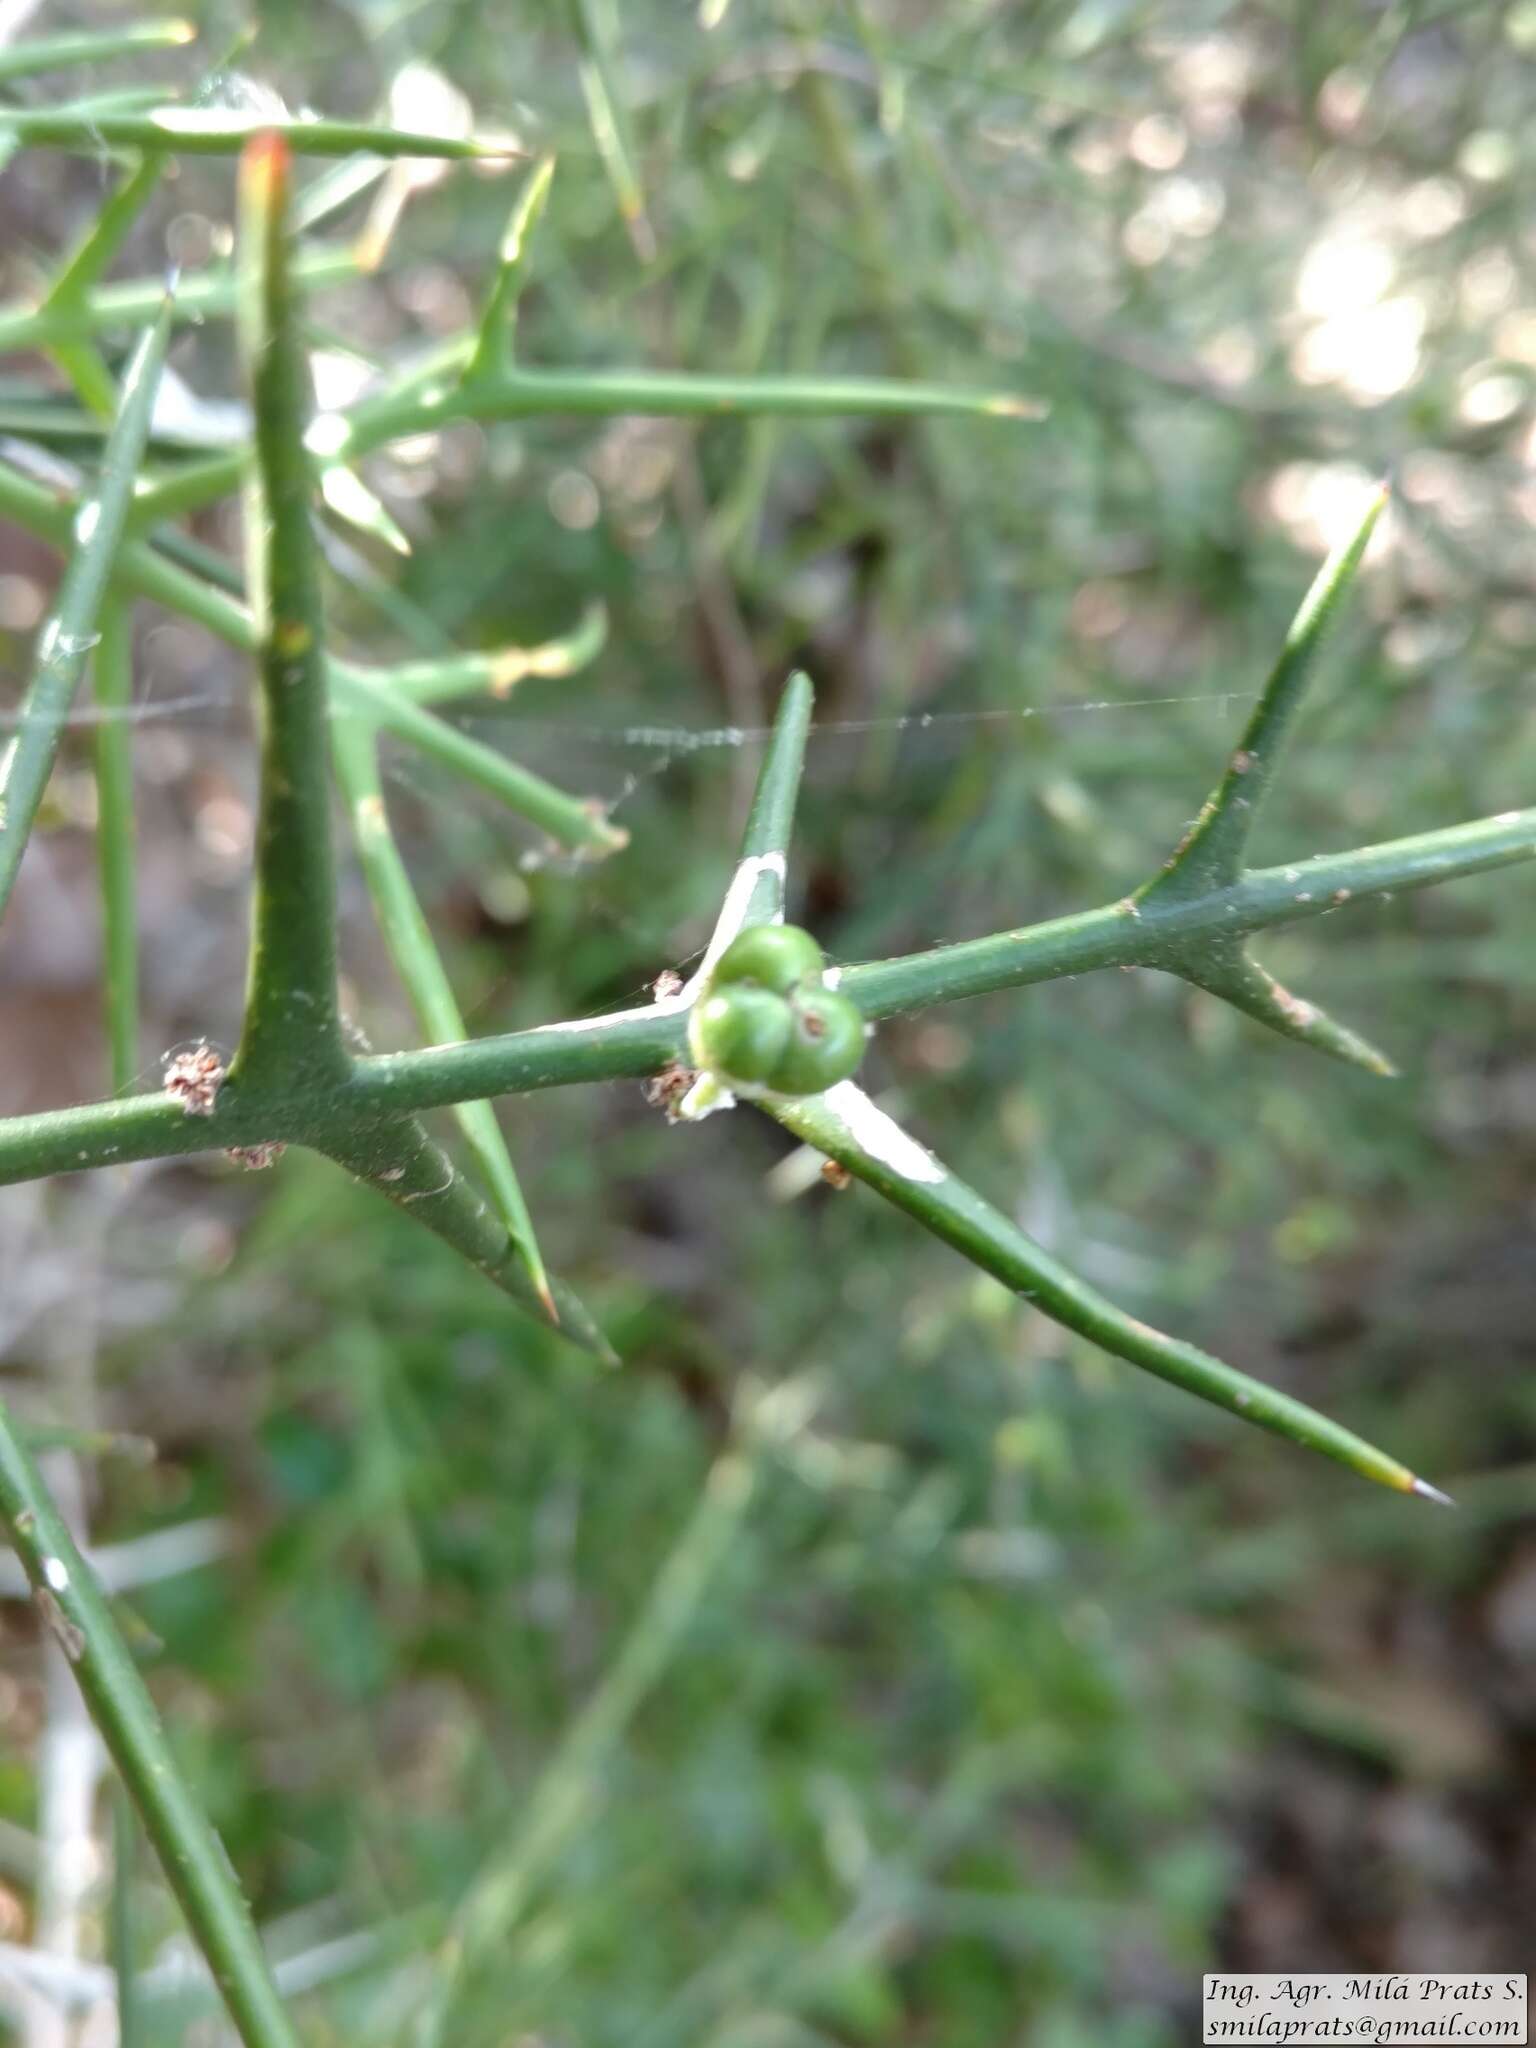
x,y
973,1735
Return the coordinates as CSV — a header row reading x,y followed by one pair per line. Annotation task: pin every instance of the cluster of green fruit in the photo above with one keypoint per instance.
x,y
768,1019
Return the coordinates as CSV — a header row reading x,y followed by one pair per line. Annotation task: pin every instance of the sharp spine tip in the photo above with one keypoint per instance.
x,y
1425,1491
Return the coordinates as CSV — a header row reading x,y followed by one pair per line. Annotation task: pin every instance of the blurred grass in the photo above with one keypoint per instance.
x,y
987,1728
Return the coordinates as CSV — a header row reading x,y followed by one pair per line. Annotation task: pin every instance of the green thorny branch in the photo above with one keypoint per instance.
x,y
1193,919
295,1077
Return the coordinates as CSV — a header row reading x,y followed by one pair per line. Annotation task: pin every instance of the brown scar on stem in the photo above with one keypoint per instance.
x,y
70,1638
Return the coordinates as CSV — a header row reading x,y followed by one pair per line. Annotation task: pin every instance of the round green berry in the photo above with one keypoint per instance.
x,y
739,1032
825,1045
777,956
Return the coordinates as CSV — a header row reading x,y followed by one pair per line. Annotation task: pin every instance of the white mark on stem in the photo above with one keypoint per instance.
x,y
56,1572
733,913
70,1639
704,1098
54,641
664,1006
881,1136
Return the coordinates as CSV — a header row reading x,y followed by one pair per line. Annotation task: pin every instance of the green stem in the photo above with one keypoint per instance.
x,y
608,119
78,357
66,640
527,394
133,302
848,1127
119,1133
445,677
225,131
636,1043
130,2032
627,1046
56,53
115,848
495,339
191,1854
576,823
1121,935
771,819
521,394
755,894
420,967
291,1015
138,567
301,1108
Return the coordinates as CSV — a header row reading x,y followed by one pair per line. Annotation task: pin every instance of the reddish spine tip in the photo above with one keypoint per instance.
x,y
264,165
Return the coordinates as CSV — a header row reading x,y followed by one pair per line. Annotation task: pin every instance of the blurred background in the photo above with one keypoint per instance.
x,y
995,1692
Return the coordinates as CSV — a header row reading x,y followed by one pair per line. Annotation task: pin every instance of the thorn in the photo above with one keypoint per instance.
x,y
1227,971
496,148
1009,405
546,1296
1425,1491
1213,853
